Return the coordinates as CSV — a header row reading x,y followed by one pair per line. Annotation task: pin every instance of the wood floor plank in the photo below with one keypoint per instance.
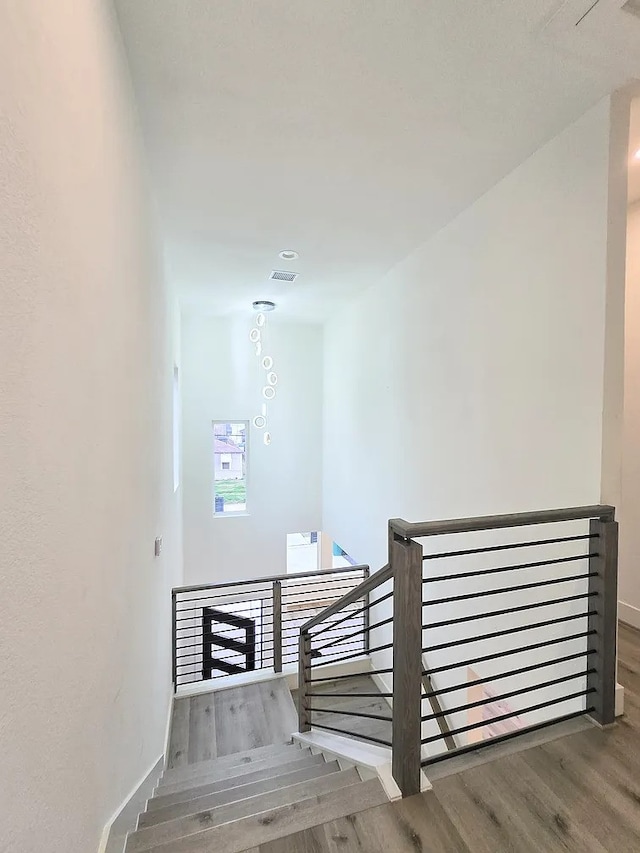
x,y
473,808
209,771
162,800
596,801
240,721
179,739
202,728
313,840
415,824
427,825
279,711
363,727
280,822
540,813
228,762
232,795
173,830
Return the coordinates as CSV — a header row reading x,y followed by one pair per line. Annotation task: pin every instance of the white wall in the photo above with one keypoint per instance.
x,y
221,381
629,579
85,421
470,379
470,382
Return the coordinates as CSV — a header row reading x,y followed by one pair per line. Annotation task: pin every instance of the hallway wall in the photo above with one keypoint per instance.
x,y
85,435
473,373
470,380
629,592
221,380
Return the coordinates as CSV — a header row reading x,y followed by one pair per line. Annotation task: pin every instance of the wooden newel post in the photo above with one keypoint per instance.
x,y
604,622
406,563
304,673
277,626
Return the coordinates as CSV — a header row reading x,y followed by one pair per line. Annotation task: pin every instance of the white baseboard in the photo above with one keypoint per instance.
x,y
227,682
370,760
123,820
125,817
167,734
629,614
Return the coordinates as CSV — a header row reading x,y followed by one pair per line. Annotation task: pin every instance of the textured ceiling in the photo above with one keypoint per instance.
x,y
348,130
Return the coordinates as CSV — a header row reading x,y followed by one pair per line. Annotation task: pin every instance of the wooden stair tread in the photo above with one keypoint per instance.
x,y
217,775
275,823
232,795
226,762
174,830
160,800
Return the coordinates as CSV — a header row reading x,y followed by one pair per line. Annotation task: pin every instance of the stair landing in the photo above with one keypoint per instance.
x,y
230,720
235,779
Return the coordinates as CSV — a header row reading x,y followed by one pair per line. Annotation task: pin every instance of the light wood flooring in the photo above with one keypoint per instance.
x,y
364,727
579,793
230,720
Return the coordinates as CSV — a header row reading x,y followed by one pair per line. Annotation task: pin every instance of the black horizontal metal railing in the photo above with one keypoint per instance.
x,y
324,708
550,658
239,626
497,682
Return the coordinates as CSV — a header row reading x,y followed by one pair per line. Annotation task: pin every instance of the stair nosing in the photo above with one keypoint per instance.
x,y
234,759
261,764
284,768
319,768
344,776
193,843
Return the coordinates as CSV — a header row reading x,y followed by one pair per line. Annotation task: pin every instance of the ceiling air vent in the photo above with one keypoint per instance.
x,y
283,275
633,7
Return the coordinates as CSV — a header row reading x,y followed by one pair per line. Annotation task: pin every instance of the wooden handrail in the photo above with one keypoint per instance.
x,y
413,530
384,575
410,673
318,573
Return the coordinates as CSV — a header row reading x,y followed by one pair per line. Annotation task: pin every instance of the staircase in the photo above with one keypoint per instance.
x,y
240,800
236,783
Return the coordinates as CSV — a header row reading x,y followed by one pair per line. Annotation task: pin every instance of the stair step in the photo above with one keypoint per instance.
x,y
247,832
239,792
160,800
225,762
173,830
218,774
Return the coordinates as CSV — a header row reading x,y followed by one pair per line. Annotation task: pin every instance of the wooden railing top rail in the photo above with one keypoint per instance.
x,y
385,574
413,530
318,573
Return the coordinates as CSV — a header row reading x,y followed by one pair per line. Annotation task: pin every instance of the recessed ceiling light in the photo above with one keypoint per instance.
x,y
637,154
263,305
289,255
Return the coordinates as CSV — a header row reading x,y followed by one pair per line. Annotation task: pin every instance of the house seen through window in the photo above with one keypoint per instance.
x,y
230,466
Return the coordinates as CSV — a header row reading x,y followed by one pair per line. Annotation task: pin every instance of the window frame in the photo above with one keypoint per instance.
x,y
246,424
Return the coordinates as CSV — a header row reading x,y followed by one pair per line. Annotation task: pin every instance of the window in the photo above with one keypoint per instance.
x,y
230,467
